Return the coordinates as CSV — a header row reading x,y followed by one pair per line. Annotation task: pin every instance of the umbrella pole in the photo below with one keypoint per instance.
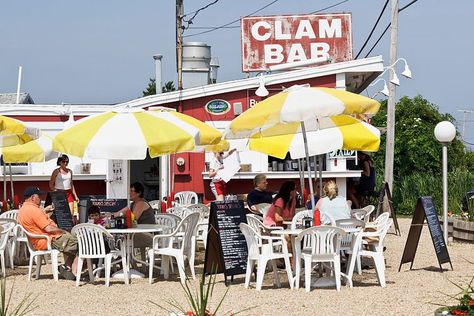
x,y
4,182
11,181
311,191
320,158
301,171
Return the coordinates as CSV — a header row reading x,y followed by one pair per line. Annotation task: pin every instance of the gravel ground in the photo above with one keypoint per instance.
x,y
407,292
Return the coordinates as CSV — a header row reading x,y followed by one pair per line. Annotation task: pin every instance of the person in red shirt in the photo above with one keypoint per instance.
x,y
36,221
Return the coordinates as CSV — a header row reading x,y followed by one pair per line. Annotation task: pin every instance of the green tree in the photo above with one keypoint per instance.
x,y
151,89
416,148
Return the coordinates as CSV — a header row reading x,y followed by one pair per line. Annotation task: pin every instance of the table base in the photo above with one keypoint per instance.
x,y
132,274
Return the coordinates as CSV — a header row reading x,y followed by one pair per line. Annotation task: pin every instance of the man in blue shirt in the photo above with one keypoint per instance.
x,y
259,194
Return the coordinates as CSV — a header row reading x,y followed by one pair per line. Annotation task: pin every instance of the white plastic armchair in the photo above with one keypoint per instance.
x,y
37,255
374,248
165,246
8,225
155,204
256,222
259,253
180,211
203,223
91,245
351,226
185,198
299,216
168,221
325,243
12,235
369,210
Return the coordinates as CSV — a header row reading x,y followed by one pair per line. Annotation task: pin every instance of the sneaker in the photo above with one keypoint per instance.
x,y
66,273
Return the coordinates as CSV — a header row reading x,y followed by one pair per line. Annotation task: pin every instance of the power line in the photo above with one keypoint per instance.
x,y
195,13
373,29
388,26
227,24
331,6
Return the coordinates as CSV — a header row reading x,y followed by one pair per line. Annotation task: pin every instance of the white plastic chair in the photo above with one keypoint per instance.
x,y
185,198
374,249
260,253
379,221
38,254
169,221
299,216
180,211
12,236
359,214
325,248
8,226
91,245
180,251
262,208
351,226
155,204
369,210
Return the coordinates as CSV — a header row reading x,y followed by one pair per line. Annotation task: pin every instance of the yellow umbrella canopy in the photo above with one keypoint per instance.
x,y
38,150
296,105
346,133
130,133
10,125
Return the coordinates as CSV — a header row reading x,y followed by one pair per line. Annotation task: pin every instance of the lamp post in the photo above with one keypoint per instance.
x,y
445,133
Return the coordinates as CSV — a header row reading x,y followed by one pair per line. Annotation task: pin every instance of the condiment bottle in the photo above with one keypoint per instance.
x,y
317,217
128,218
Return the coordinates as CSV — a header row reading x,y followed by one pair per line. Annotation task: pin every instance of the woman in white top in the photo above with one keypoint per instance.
x,y
332,206
61,180
217,184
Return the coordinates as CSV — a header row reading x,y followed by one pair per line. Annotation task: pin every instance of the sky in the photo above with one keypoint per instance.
x,y
100,52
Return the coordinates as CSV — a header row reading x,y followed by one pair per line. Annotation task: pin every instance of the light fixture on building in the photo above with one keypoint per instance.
x,y
261,91
384,91
395,79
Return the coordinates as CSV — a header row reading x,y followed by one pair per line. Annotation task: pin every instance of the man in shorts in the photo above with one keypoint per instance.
x,y
36,221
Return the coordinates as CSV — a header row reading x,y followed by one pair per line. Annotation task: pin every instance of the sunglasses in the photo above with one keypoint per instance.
x,y
65,161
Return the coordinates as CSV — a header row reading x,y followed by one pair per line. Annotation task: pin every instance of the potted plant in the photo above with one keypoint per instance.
x,y
465,302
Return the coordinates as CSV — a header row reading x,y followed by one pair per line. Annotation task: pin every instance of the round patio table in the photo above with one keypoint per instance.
x,y
128,243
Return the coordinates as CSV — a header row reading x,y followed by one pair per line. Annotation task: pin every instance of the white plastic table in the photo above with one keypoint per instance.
x,y
323,281
128,243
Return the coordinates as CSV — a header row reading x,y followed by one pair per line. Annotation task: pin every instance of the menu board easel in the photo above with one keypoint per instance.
x,y
61,213
425,210
226,248
385,191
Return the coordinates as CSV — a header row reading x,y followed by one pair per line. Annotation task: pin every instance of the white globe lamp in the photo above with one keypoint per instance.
x,y
445,132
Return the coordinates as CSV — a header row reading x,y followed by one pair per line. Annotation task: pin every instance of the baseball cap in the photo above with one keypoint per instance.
x,y
31,191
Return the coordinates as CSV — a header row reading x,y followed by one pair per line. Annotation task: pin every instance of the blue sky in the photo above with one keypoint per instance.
x,y
101,51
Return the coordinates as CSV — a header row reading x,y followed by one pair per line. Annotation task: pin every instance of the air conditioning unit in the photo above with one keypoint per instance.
x,y
17,168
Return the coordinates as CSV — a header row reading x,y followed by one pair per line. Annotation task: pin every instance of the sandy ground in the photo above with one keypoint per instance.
x,y
407,292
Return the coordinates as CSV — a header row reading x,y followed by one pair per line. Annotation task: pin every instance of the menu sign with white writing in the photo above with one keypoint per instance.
x,y
425,209
226,250
61,213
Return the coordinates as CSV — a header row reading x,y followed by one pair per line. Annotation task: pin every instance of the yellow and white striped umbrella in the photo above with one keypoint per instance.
x,y
10,125
346,133
128,134
296,105
7,139
38,150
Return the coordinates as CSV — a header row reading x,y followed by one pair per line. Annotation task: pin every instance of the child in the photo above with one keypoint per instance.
x,y
94,216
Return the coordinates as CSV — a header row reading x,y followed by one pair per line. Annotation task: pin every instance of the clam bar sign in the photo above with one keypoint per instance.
x,y
217,107
273,40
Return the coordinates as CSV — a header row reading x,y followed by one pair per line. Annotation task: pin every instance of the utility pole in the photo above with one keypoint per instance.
x,y
390,142
179,41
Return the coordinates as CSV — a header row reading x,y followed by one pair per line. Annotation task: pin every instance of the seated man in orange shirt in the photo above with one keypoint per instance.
x,y
36,221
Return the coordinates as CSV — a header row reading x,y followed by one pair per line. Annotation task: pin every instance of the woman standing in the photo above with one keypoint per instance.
x,y
217,184
61,180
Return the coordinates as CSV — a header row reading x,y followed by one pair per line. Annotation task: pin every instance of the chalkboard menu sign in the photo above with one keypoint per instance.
x,y
62,213
425,209
226,250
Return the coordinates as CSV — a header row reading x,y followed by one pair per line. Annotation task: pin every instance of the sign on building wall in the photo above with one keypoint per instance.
x,y
217,107
273,40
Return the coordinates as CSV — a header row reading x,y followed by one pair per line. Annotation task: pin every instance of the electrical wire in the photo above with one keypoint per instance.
x,y
388,26
232,22
195,13
331,6
373,28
